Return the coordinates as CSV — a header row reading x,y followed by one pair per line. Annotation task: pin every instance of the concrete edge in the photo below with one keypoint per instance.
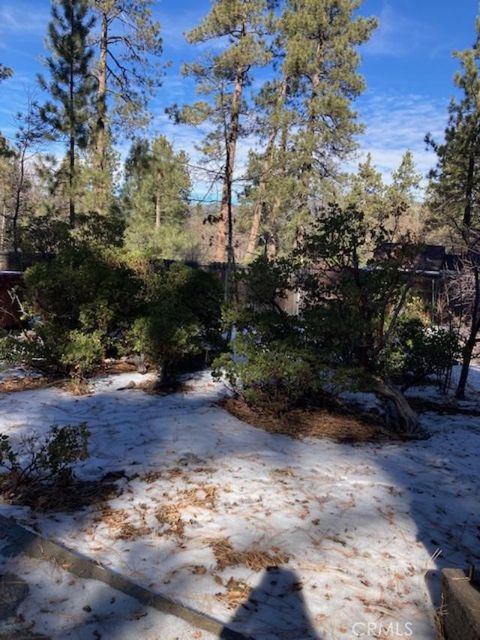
x,y
24,541
462,606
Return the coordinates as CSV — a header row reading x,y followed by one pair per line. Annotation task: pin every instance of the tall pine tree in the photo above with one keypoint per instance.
x,y
128,44
455,186
455,182
318,80
222,79
69,110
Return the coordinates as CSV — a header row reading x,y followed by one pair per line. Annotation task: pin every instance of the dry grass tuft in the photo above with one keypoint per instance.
x,y
150,476
113,518
175,472
253,559
130,532
117,521
203,497
237,593
170,515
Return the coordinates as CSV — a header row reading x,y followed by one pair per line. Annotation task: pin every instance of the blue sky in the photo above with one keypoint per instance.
x,y
407,65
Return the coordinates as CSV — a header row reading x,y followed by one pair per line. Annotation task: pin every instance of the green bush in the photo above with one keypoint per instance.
x,y
270,376
419,351
83,352
90,302
81,304
353,330
181,317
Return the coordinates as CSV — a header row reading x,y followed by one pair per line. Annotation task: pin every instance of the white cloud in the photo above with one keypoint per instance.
x,y
398,35
396,123
20,18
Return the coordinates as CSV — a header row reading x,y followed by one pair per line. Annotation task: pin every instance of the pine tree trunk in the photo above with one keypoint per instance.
x,y
467,215
158,216
222,240
71,141
254,229
71,153
101,124
274,244
71,182
266,168
3,225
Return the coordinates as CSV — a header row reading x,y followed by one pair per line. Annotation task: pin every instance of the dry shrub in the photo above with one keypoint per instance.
x,y
253,559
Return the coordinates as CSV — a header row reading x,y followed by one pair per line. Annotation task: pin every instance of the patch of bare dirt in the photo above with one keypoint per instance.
x,y
22,384
302,423
119,366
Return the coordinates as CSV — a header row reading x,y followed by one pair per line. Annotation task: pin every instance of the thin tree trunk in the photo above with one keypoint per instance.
x,y
274,242
467,215
472,338
3,227
71,182
255,227
222,242
71,148
18,202
101,123
158,216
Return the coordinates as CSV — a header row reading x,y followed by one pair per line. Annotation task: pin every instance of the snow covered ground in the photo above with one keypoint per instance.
x,y
285,539
62,607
